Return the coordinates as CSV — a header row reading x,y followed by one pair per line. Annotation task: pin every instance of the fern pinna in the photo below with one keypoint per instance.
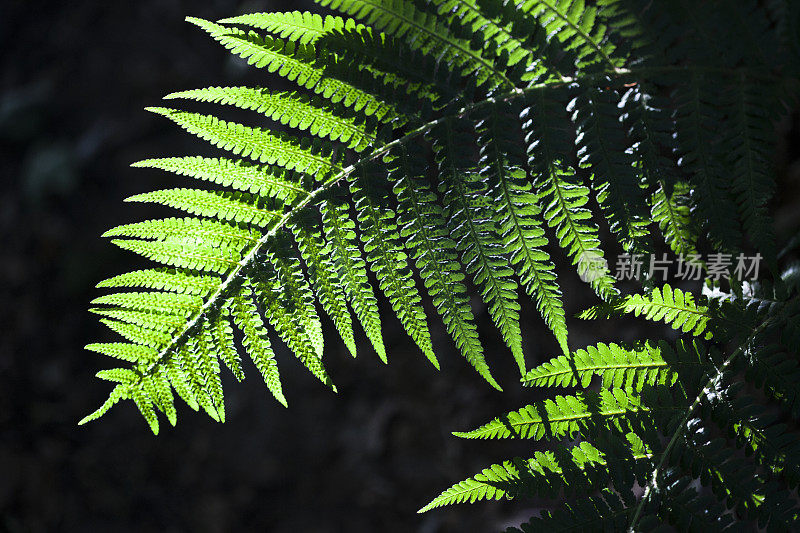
x,y
479,143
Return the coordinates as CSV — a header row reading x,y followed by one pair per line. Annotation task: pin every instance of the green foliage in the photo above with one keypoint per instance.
x,y
481,143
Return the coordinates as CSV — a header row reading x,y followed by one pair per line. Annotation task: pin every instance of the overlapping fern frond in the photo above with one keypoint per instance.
x,y
664,413
481,143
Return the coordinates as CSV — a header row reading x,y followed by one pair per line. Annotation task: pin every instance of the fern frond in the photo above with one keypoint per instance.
x,y
549,149
517,212
297,26
222,338
209,365
164,280
422,30
269,182
184,253
423,225
563,416
133,353
577,27
471,225
255,143
280,304
232,206
413,81
159,390
671,212
629,368
498,39
650,131
189,369
545,474
324,277
118,375
602,148
295,62
292,110
163,322
674,307
209,231
385,255
180,382
296,292
119,392
158,302
347,259
138,334
468,134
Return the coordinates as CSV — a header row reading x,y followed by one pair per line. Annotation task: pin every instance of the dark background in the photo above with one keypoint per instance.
x,y
74,79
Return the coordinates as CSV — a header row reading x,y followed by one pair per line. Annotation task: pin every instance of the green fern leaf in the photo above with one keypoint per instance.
x,y
672,306
249,321
138,334
269,182
324,278
346,258
542,475
295,62
422,223
578,27
208,231
184,253
280,305
133,353
145,405
158,389
180,382
159,302
618,366
289,109
163,322
255,143
120,392
549,147
497,37
297,26
563,416
209,364
603,150
518,213
385,255
192,371
222,338
422,30
236,207
165,280
118,375
470,222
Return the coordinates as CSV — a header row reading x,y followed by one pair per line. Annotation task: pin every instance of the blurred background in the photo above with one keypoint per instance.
x,y
74,79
